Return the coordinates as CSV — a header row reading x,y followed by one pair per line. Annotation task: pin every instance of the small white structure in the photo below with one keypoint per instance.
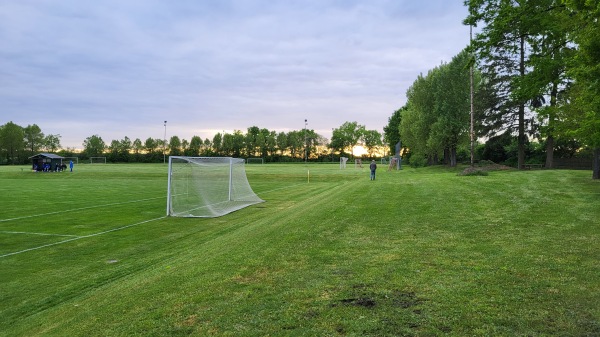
x,y
343,161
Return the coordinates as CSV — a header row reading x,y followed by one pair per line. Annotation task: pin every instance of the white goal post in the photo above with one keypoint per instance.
x,y
255,161
207,186
97,160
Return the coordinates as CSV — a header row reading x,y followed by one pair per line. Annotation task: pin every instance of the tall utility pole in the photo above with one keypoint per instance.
x,y
305,142
165,145
472,95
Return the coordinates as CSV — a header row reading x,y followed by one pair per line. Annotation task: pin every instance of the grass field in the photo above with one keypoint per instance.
x,y
418,252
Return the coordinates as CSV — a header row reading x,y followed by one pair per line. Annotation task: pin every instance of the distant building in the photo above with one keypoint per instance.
x,y
46,162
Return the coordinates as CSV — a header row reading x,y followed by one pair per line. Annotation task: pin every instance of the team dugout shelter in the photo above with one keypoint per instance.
x,y
46,162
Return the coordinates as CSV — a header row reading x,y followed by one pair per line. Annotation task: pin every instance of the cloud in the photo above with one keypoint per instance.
x,y
120,68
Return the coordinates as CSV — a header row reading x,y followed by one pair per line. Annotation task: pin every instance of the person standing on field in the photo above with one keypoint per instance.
x,y
71,165
373,168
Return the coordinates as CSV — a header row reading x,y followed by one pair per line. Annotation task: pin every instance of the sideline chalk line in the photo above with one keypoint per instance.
x,y
34,233
78,209
81,237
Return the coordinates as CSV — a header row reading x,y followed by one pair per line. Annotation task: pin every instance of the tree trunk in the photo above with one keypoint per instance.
x,y
596,164
447,157
549,152
453,157
550,140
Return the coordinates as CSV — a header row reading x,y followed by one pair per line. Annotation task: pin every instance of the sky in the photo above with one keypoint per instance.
x,y
120,68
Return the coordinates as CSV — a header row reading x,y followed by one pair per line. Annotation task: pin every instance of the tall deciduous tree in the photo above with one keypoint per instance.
x,y
271,143
11,142
252,141
175,146
195,146
150,145
282,142
451,107
94,146
34,139
502,48
372,140
295,143
137,146
418,117
551,49
52,143
217,144
391,132
585,68
347,136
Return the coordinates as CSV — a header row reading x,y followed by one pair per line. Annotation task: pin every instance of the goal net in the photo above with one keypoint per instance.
x,y
207,186
255,161
97,160
343,161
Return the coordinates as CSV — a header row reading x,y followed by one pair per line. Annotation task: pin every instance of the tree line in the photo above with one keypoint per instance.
x,y
536,65
18,143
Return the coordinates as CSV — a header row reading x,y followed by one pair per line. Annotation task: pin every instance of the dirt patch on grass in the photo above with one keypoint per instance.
x,y
359,302
397,298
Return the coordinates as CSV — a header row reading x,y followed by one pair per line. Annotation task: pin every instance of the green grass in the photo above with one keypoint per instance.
x,y
417,252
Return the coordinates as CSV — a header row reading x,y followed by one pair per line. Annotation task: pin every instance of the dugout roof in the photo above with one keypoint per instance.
x,y
38,161
46,156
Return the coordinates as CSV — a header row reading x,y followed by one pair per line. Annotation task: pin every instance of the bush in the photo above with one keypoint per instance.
x,y
418,161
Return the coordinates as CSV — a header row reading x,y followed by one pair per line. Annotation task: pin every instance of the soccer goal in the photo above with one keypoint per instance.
x,y
343,161
255,161
207,186
97,160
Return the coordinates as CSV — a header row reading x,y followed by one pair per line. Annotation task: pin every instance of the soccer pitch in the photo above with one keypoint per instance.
x,y
415,252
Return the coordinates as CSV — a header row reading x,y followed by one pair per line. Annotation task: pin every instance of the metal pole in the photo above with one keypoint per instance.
x,y
472,109
165,145
230,179
305,142
169,189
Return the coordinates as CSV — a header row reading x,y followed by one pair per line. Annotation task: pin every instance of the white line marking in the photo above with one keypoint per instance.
x,y
80,237
33,233
78,209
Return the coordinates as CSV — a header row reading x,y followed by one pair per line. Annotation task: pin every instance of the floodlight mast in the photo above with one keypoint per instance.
x,y
305,142
472,131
